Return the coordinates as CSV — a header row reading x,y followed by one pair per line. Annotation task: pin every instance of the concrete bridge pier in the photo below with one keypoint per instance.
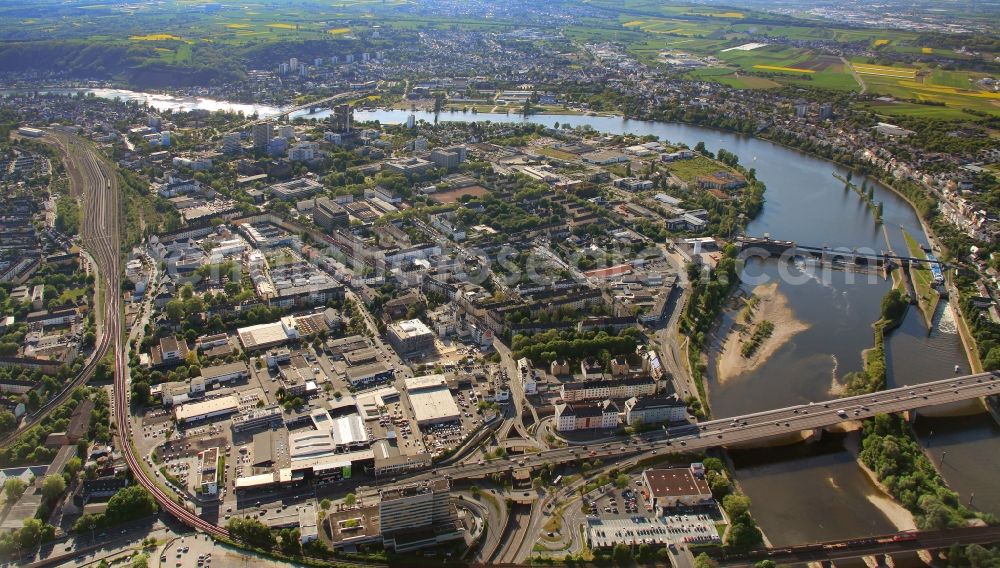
x,y
910,416
814,435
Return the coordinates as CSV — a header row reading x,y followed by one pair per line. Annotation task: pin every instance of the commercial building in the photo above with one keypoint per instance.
x,y
369,374
410,336
617,389
431,400
206,409
208,471
346,344
655,410
257,418
590,416
418,516
224,373
329,214
295,189
331,436
677,487
267,335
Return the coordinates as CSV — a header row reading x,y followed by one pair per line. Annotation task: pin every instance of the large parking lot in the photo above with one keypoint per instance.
x,y
675,530
626,515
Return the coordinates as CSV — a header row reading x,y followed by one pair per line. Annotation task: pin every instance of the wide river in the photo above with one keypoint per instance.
x,y
807,491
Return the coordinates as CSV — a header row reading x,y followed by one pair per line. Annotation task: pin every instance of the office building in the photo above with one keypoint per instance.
x,y
329,214
417,516
448,158
262,134
231,143
600,389
296,188
410,336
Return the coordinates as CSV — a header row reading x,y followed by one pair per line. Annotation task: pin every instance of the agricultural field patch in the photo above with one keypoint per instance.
x,y
783,69
155,37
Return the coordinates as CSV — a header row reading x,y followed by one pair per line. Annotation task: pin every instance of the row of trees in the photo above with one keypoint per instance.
x,y
554,344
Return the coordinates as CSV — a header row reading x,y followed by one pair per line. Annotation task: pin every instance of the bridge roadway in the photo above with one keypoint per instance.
x,y
296,108
746,428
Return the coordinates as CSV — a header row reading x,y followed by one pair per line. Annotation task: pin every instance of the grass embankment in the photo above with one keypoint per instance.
x,y
923,280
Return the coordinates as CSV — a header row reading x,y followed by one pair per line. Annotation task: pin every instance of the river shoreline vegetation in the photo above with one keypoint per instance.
x,y
710,289
890,449
872,378
761,331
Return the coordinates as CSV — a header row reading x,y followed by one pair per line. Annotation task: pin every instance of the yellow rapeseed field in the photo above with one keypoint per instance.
x,y
338,31
282,26
154,37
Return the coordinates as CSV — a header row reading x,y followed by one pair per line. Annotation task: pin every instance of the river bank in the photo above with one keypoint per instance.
x,y
766,304
897,514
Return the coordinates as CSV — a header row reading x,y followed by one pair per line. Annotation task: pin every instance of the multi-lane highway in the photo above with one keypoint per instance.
x,y
748,428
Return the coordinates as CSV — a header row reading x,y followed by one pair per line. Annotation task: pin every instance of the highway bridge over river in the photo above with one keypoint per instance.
x,y
744,429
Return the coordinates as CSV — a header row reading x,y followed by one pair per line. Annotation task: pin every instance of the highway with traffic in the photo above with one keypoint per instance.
x,y
746,428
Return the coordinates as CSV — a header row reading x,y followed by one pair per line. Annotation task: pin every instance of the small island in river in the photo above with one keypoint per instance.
x,y
764,324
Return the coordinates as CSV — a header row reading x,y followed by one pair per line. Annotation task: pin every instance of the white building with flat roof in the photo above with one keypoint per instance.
x,y
206,409
267,335
431,400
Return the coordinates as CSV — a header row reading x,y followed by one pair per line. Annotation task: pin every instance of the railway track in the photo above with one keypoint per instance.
x,y
94,233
